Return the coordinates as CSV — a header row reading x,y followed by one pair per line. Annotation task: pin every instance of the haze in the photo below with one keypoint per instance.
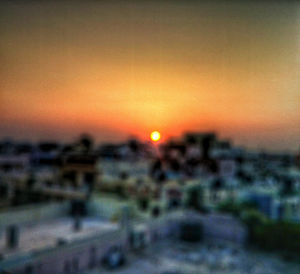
x,y
120,68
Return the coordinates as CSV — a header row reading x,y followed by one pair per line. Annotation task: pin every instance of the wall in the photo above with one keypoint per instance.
x,y
216,227
33,213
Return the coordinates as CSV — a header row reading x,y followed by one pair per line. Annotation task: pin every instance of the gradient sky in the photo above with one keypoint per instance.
x,y
120,68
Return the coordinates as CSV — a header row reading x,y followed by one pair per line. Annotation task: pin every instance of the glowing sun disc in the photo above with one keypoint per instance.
x,y
155,136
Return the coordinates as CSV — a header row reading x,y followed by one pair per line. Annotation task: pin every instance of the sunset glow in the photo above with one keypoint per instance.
x,y
125,68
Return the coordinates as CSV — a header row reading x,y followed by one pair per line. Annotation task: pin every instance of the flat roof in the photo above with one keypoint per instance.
x,y
46,234
184,258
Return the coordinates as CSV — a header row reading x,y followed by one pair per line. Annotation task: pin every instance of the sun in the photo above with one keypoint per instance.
x,y
155,136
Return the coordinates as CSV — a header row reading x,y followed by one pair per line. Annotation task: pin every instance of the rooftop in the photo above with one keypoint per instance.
x,y
185,258
46,234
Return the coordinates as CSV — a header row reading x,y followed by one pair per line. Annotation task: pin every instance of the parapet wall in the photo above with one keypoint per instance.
x,y
87,253
33,214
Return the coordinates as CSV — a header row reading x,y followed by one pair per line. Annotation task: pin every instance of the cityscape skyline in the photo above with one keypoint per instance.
x,y
149,136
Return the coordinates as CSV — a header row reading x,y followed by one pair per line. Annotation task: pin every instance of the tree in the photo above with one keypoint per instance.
x,y
143,203
156,211
30,181
195,199
217,184
253,219
86,142
155,167
133,145
235,208
288,187
120,190
124,175
230,207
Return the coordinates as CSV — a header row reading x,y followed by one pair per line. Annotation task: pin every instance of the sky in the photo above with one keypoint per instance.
x,y
125,68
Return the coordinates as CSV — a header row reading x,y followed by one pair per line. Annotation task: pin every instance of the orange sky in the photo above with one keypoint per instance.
x,y
120,68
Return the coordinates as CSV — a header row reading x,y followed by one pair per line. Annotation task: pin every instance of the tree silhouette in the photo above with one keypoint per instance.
x,y
86,142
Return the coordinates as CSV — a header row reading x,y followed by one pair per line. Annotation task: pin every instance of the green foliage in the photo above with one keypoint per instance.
x,y
236,209
282,236
120,190
248,205
229,207
156,211
195,199
30,182
252,218
264,233
86,141
143,203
